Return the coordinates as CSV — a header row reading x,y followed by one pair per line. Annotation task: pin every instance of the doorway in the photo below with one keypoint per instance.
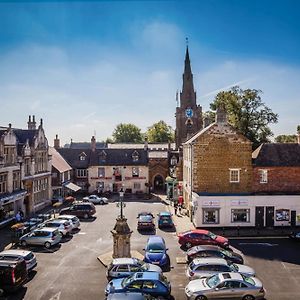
x,y
293,218
269,216
158,184
259,216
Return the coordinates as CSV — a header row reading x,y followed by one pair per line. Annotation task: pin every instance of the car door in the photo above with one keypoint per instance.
x,y
195,238
123,271
230,290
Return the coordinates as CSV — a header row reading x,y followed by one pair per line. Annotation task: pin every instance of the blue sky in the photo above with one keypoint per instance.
x,y
86,66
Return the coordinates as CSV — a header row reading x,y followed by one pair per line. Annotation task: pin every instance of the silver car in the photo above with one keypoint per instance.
x,y
208,266
63,226
13,254
225,286
124,267
96,200
46,237
73,220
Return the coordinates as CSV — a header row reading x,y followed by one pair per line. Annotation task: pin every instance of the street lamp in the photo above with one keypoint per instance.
x,y
121,204
20,162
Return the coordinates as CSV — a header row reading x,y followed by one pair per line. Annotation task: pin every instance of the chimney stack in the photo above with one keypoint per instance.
x,y
221,116
31,124
56,142
146,143
93,143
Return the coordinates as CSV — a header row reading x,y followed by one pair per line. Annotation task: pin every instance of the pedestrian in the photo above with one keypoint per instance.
x,y
112,289
18,217
175,208
179,208
21,214
180,203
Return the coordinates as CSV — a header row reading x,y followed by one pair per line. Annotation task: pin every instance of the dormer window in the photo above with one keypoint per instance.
x,y
135,156
173,161
82,156
102,156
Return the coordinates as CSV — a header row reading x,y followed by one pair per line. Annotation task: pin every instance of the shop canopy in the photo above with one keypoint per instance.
x,y
72,186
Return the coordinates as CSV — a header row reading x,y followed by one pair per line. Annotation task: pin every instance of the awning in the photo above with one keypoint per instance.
x,y
73,187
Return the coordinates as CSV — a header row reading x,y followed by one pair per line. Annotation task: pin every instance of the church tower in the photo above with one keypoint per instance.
x,y
188,114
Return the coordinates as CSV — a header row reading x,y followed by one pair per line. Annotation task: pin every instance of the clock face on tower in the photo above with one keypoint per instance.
x,y
189,112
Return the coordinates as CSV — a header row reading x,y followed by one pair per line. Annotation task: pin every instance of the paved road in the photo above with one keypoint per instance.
x,y
73,271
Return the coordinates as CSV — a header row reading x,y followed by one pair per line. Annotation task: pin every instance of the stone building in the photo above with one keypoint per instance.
x,y
188,113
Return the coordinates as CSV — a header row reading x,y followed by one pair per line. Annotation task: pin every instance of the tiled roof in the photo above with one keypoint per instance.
x,y
86,145
72,156
277,155
58,162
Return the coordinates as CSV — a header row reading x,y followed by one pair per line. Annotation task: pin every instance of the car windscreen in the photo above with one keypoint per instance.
x,y
213,281
156,247
248,280
212,235
167,218
145,219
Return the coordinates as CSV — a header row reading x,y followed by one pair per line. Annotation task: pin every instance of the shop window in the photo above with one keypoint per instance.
x,y
263,175
6,211
282,214
240,215
234,175
101,172
211,216
135,172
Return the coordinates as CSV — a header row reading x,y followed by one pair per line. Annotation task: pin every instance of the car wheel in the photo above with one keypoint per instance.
x,y
101,202
201,297
23,243
47,245
248,297
188,245
85,216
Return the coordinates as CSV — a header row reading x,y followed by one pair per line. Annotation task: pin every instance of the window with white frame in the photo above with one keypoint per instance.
x,y
81,173
101,172
3,183
263,176
240,215
234,175
136,185
100,185
135,172
82,156
211,216
16,180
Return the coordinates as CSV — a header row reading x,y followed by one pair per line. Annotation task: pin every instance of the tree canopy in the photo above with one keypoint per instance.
x,y
247,113
127,133
286,138
160,132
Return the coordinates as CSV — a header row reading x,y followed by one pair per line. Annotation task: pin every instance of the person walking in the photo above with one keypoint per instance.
x,y
21,214
180,204
18,217
175,208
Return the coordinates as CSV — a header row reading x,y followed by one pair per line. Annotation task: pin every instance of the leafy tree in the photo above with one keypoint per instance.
x,y
127,133
286,138
247,113
160,132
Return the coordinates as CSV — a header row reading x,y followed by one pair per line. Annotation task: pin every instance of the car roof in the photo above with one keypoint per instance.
x,y
124,260
146,275
210,261
126,295
49,229
203,248
165,213
60,221
155,239
66,217
203,231
230,275
15,252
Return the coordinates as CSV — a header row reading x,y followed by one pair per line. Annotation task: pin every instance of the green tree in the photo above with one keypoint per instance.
x,y
160,132
127,133
247,113
286,138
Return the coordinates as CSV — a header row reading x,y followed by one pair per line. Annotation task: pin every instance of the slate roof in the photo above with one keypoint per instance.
x,y
86,145
58,162
72,156
277,155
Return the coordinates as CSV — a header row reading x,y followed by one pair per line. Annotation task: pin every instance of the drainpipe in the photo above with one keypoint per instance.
x,y
191,185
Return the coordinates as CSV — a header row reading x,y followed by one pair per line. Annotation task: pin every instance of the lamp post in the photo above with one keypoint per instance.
x,y
121,203
20,162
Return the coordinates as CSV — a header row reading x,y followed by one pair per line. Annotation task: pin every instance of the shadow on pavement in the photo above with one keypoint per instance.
x,y
40,249
89,220
18,295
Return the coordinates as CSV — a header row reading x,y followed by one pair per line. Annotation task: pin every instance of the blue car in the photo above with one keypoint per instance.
x,y
156,251
165,220
151,283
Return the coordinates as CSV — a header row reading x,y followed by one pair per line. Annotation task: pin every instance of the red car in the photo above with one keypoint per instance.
x,y
197,237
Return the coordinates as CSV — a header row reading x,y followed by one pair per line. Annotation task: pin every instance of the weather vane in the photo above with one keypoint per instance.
x,y
187,41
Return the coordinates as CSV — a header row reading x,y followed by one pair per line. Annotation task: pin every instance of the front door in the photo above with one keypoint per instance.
x,y
259,216
293,218
269,216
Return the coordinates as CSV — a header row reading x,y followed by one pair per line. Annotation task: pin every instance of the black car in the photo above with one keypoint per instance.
x,y
295,236
213,251
13,274
83,210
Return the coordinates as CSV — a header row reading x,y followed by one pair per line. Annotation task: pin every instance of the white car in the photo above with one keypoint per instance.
x,y
63,226
96,200
73,220
13,254
208,266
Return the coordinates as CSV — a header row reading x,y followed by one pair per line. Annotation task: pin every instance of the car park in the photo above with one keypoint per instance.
x,y
75,223
152,283
14,254
225,286
145,223
95,199
13,274
165,220
208,266
63,226
123,267
213,251
46,237
156,251
201,237
83,210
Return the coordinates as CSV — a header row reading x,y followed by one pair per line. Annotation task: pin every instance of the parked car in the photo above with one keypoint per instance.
x,y
81,210
208,266
13,274
156,251
152,283
165,220
46,237
63,226
96,200
145,213
124,267
201,237
213,251
73,220
295,236
131,296
145,223
225,286
15,254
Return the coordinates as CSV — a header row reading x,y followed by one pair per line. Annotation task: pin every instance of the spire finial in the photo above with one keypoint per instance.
x,y
187,41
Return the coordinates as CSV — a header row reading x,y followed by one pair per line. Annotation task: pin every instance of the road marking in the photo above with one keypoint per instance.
x,y
56,296
99,240
81,233
260,244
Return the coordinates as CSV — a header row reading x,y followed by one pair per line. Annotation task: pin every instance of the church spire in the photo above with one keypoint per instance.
x,y
188,95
